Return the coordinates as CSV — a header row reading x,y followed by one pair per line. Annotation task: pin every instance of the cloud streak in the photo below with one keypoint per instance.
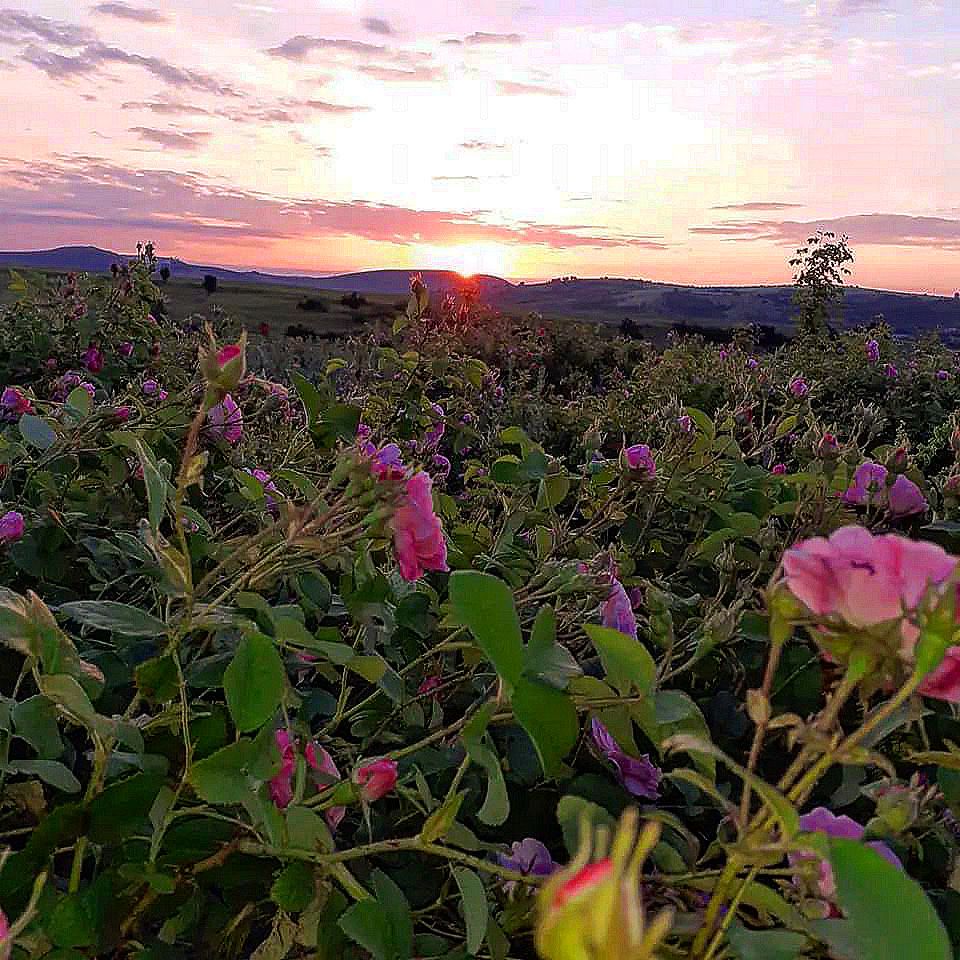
x,y
126,11
92,193
871,229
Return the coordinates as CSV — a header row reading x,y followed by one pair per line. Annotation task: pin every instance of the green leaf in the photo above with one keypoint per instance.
x,y
72,923
119,618
49,771
122,807
437,825
765,944
383,926
485,605
35,720
37,432
80,401
496,803
573,812
476,912
253,682
222,777
294,888
550,718
888,911
310,397
627,662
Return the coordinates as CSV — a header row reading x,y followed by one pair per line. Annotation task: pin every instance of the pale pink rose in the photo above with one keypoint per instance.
x,y
417,532
862,579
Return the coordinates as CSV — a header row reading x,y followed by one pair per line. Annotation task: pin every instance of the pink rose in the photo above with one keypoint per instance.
x,y
863,579
869,485
778,469
15,403
618,611
281,786
639,461
125,349
225,421
417,532
943,683
905,498
11,527
230,352
93,359
375,779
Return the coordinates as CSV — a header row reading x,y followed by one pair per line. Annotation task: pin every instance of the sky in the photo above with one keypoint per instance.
x,y
695,141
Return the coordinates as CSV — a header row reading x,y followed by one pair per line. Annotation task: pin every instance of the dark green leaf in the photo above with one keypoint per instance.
x,y
119,618
253,683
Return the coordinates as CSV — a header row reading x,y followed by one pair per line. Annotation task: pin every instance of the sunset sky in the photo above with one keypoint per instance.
x,y
687,140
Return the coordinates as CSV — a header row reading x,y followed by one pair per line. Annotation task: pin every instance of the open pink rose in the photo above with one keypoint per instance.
x,y
93,359
863,579
417,532
281,786
225,421
639,461
905,498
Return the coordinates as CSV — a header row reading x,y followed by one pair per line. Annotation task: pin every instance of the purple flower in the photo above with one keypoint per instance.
x,y
11,527
618,611
529,857
122,413
685,423
125,349
268,486
93,359
724,354
363,433
15,403
639,776
442,465
873,351
90,388
385,462
890,371
639,461
225,421
150,387
869,485
779,469
799,387
943,374
752,363
822,820
905,498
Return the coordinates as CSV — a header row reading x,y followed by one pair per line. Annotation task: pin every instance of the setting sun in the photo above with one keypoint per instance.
x,y
467,259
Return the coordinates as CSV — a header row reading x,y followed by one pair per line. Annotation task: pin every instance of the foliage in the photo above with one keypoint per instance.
x,y
230,726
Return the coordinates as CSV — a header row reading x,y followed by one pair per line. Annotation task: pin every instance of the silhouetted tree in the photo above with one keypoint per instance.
x,y
210,283
818,291
164,274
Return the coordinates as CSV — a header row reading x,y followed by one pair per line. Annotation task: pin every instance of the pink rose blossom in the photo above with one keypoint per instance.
x,y
15,403
225,420
822,820
122,413
640,462
125,349
905,498
863,579
799,387
375,779
869,485
281,786
943,683
618,611
11,527
778,469
873,351
93,359
417,532
150,387
891,371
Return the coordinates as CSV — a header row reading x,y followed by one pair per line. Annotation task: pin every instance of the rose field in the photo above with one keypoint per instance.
x,y
472,636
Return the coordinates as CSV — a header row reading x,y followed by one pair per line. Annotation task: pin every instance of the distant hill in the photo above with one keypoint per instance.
x,y
607,300
95,260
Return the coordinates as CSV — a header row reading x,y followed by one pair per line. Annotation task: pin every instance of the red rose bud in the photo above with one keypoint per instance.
x,y
581,882
375,779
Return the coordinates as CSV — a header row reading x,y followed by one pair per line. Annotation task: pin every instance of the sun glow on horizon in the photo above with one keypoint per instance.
x,y
467,259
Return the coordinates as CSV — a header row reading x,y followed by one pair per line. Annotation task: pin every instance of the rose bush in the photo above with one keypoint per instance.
x,y
385,648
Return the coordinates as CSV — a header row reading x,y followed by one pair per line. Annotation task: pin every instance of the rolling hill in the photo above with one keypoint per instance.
x,y
606,300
